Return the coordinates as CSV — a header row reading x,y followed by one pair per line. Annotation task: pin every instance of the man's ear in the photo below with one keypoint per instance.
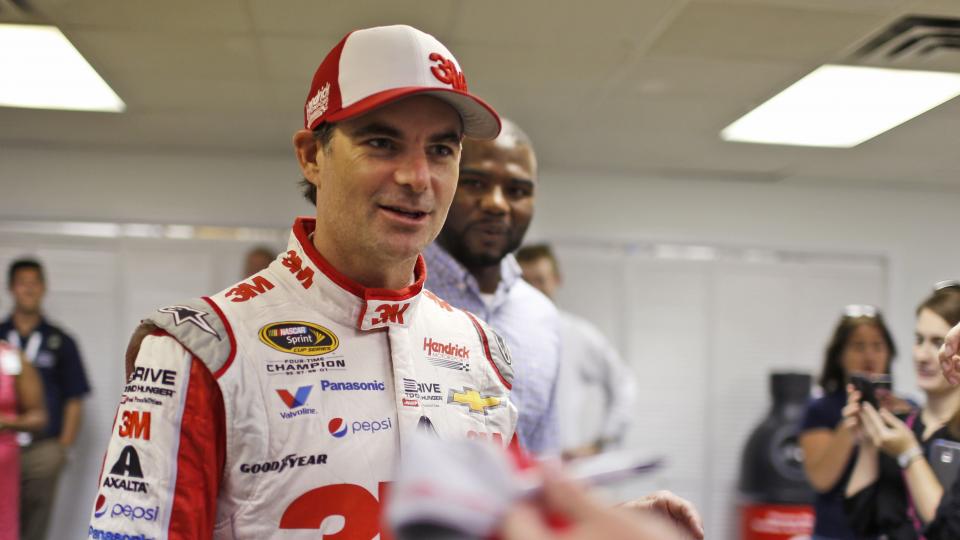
x,y
306,146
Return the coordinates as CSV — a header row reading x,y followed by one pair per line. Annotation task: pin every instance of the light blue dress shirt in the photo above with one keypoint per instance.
x,y
528,322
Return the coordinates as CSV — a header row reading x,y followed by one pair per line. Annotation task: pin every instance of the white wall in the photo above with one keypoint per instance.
x,y
124,186
907,229
912,229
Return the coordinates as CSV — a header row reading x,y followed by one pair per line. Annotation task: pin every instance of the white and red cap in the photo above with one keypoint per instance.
x,y
375,66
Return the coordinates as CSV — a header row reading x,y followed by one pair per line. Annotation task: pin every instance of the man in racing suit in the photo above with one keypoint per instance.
x,y
278,407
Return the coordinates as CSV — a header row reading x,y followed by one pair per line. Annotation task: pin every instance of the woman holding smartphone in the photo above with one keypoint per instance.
x,y
861,344
893,490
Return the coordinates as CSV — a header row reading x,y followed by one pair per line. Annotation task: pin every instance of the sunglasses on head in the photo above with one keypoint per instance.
x,y
946,284
855,311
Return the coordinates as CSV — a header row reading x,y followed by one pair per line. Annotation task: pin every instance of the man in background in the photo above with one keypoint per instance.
x,y
257,259
471,266
55,356
597,387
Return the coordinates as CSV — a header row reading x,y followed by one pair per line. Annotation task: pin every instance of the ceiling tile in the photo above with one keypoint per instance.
x,y
766,33
330,20
149,94
640,87
874,6
943,8
583,24
209,16
559,66
160,55
259,133
294,58
686,77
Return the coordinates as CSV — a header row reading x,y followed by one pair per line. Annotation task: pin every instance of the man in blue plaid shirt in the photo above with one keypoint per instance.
x,y
471,265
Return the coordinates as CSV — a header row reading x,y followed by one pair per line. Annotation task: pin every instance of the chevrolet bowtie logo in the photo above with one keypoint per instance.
x,y
473,400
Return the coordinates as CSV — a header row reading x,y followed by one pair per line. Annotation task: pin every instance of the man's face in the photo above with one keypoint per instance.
x,y
493,205
255,262
541,274
27,289
385,182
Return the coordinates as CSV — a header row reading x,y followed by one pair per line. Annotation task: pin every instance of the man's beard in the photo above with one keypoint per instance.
x,y
454,245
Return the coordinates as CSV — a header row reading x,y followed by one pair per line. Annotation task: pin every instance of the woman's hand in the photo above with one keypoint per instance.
x,y
680,511
851,413
886,431
950,356
587,518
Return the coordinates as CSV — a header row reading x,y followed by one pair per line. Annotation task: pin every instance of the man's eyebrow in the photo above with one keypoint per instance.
x,y
523,181
448,136
475,172
377,128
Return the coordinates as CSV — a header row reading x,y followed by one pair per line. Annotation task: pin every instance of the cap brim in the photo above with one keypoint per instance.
x,y
480,121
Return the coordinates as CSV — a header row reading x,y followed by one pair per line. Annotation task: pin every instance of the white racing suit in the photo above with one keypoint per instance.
x,y
278,408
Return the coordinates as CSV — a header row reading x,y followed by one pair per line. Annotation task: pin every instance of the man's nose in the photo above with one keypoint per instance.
x,y
493,201
414,172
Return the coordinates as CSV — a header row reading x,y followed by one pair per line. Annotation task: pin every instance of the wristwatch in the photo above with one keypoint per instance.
x,y
909,456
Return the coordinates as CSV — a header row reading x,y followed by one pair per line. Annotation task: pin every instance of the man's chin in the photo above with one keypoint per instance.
x,y
476,259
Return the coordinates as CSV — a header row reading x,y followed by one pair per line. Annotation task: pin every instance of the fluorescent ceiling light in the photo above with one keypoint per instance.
x,y
41,69
843,106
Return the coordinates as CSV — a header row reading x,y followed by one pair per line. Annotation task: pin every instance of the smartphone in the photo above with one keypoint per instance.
x,y
945,461
868,385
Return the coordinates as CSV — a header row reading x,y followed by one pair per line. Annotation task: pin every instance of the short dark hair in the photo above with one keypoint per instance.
x,y
322,134
833,376
24,264
945,303
535,252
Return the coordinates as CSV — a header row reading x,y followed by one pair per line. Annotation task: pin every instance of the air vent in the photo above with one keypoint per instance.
x,y
914,42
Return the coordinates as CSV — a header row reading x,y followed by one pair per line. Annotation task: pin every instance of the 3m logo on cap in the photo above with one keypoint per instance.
x,y
337,427
298,400
318,103
298,337
446,72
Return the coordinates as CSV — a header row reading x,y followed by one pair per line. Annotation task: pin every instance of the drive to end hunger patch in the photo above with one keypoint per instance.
x,y
299,337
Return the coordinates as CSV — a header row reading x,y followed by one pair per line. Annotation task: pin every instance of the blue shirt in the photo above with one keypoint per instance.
x,y
57,359
528,322
830,519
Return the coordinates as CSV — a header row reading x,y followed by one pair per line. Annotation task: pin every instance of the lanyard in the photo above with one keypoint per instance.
x,y
33,343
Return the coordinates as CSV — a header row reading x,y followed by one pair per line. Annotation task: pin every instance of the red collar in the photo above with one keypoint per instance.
x,y
303,227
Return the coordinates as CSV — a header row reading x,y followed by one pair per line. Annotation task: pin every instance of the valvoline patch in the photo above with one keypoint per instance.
x,y
292,401
337,427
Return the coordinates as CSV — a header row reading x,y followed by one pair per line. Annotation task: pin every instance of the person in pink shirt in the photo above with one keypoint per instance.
x,y
21,409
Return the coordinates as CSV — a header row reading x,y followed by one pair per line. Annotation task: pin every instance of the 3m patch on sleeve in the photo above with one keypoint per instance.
x,y
140,469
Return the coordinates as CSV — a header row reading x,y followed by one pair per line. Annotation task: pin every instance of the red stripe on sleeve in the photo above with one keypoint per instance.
x,y
200,458
486,349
